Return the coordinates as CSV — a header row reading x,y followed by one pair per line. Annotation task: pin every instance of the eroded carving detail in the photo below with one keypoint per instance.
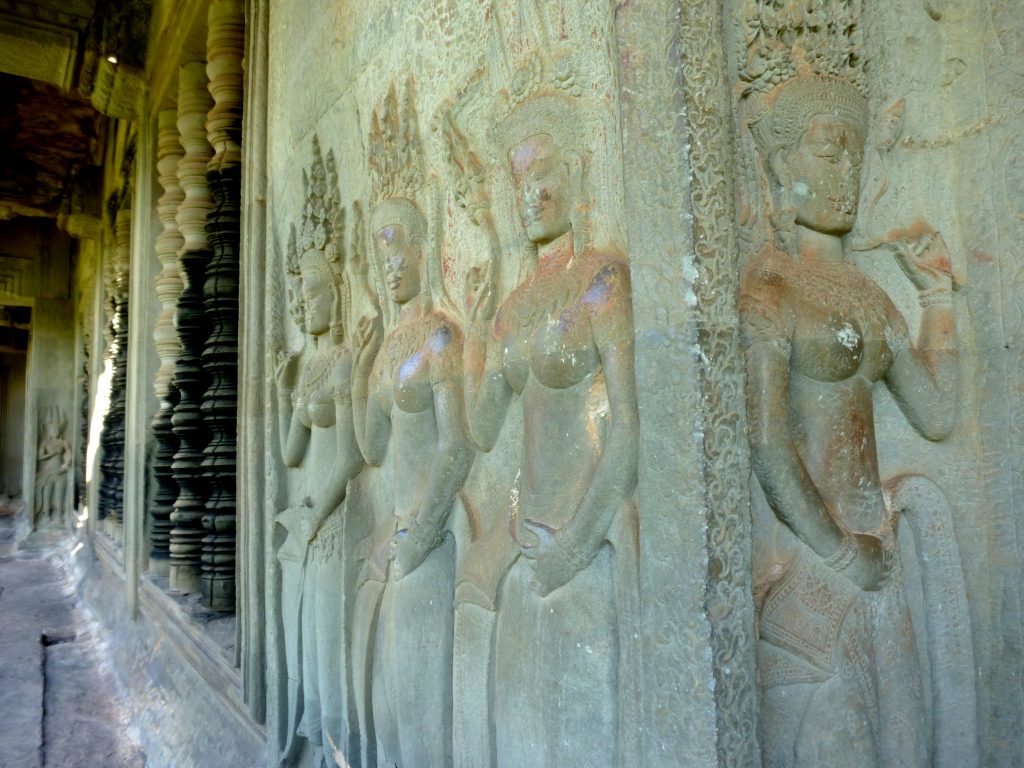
x,y
839,674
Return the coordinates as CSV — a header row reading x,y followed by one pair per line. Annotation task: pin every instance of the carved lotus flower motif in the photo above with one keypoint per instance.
x,y
526,80
564,76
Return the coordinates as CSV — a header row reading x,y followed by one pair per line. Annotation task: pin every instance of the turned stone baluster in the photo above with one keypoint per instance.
x,y
112,464
165,337
190,379
225,46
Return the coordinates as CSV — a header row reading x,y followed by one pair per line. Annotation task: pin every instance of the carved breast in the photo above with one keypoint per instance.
x,y
548,331
315,401
408,360
840,324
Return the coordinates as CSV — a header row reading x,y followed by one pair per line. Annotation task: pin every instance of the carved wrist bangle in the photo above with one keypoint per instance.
x,y
936,296
285,394
843,557
340,399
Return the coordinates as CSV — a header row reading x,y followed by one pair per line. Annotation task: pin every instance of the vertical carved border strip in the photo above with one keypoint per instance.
x,y
256,422
728,601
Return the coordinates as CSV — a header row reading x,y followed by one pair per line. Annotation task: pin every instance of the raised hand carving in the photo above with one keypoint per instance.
x,y
411,398
317,439
818,334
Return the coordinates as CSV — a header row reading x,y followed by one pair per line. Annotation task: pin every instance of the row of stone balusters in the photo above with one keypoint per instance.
x,y
193,517
168,288
111,495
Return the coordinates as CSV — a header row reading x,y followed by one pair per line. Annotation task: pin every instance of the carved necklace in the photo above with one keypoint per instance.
x,y
316,371
841,287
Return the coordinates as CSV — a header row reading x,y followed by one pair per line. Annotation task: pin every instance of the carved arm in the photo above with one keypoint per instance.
x,y
924,378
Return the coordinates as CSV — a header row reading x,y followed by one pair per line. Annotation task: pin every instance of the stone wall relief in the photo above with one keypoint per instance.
x,y
411,400
547,600
864,653
53,465
317,441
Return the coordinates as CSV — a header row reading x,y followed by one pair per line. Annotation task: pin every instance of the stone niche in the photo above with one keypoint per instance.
x,y
502,352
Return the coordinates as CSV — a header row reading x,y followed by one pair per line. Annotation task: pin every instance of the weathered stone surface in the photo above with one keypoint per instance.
x,y
61,703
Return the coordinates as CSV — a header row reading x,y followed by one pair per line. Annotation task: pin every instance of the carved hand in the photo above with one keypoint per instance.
x,y
286,370
338,318
367,339
871,566
470,175
312,519
295,307
553,565
479,294
925,260
409,551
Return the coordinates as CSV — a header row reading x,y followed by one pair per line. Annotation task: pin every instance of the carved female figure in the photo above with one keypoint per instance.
x,y
563,342
315,413
54,460
837,664
411,398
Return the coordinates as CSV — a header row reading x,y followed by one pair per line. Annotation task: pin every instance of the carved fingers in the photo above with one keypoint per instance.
x,y
409,551
925,260
286,370
470,175
553,563
367,339
480,302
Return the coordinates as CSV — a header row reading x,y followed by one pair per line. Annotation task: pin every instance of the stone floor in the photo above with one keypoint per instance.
x,y
60,704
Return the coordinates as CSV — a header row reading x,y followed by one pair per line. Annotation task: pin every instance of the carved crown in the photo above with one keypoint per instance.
x,y
319,242
397,170
540,81
801,58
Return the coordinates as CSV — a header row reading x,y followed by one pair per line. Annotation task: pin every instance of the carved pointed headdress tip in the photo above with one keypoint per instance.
x,y
398,179
318,243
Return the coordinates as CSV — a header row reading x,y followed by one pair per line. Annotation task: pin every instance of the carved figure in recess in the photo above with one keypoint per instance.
x,y
839,674
54,461
564,584
413,399
315,412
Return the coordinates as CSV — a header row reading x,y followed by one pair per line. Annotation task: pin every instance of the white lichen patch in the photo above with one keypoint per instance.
x,y
848,336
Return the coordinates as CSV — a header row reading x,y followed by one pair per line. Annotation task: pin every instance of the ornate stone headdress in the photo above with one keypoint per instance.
x,y
319,243
540,84
54,416
397,172
802,58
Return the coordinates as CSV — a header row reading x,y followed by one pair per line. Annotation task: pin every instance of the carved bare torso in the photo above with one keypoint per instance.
x,y
551,358
406,368
844,333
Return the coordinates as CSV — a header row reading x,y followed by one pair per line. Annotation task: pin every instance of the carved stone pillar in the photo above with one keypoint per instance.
x,y
190,378
112,441
165,337
225,47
